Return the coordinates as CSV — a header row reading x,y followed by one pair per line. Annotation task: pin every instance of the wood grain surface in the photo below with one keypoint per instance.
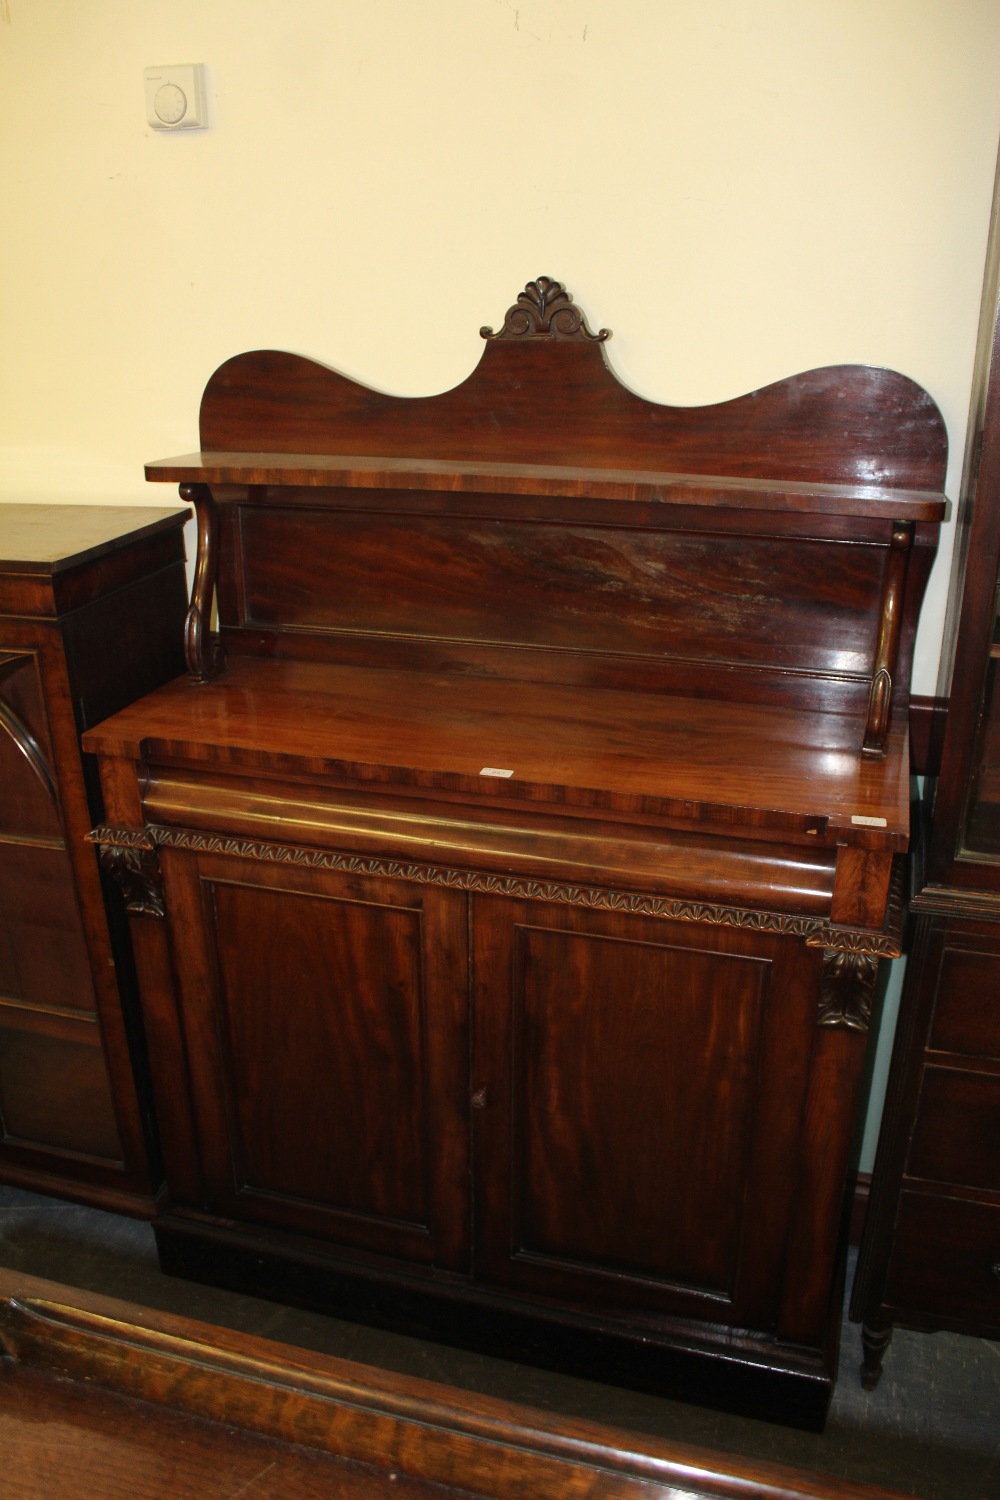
x,y
100,1397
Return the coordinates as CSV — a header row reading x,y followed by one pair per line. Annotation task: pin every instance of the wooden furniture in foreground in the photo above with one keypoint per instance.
x,y
931,1251
511,874
91,607
98,1397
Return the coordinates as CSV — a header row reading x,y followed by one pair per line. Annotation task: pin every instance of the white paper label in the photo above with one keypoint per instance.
x,y
861,822
494,771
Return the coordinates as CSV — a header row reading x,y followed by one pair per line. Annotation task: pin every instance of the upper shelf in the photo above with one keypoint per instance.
x,y
359,471
543,410
782,538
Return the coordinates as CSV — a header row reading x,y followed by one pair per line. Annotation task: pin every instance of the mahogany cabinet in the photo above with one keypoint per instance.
x,y
92,601
510,874
931,1251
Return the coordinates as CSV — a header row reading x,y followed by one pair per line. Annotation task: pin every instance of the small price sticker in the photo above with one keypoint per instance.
x,y
494,771
860,821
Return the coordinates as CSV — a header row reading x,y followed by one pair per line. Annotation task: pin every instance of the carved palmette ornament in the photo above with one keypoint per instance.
x,y
847,984
545,310
131,861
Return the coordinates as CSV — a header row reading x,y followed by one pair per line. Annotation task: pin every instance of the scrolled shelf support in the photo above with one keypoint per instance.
x,y
887,647
203,651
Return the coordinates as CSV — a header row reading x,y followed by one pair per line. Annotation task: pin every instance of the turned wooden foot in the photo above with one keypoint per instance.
x,y
875,1342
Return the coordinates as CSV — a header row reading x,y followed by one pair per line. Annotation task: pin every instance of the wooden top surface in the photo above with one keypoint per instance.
x,y
643,754
99,1397
52,538
364,472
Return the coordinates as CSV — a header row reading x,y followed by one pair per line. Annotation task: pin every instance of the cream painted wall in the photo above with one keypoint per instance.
x,y
740,188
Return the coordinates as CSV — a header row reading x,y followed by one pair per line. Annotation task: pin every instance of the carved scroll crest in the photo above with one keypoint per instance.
x,y
545,310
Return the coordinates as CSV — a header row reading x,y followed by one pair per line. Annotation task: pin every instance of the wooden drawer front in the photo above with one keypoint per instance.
x,y
957,1135
967,1003
946,1261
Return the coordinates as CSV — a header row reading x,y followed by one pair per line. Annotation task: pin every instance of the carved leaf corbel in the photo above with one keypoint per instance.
x,y
130,858
847,984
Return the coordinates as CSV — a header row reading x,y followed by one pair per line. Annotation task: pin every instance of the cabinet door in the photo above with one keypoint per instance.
x,y
326,1024
641,1087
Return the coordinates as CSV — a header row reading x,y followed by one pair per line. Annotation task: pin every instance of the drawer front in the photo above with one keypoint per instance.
x,y
957,1135
946,1262
967,1001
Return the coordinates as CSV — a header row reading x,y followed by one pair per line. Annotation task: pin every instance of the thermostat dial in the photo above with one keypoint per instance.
x,y
170,103
175,97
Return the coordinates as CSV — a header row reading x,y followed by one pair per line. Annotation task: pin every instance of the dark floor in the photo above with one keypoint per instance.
x,y
932,1428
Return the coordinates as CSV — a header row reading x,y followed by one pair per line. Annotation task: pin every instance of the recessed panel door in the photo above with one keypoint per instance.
x,y
326,1024
640,1086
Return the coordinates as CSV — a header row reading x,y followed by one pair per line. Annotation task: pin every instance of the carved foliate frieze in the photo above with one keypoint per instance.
x,y
847,984
814,930
850,959
130,858
545,310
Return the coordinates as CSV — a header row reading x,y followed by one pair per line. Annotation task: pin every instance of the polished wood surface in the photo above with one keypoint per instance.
x,y
101,1397
91,604
510,874
370,1040
626,1052
691,759
56,558
546,481
550,402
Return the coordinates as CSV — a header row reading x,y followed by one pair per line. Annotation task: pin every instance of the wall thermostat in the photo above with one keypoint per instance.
x,y
175,97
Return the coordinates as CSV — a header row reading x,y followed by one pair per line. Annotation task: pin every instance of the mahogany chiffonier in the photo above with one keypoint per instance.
x,y
930,1257
511,871
92,602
